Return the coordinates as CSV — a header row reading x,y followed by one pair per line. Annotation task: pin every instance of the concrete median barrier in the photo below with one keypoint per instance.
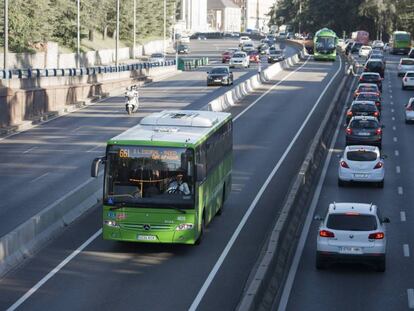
x,y
271,269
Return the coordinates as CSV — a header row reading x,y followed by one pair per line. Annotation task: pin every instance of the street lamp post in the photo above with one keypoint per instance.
x,y
165,24
78,37
6,32
117,34
135,29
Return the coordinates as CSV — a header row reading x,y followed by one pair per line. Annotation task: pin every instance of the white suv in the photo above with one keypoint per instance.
x,y
352,232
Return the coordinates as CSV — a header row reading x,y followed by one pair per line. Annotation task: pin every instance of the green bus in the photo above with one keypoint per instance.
x,y
400,42
324,45
167,177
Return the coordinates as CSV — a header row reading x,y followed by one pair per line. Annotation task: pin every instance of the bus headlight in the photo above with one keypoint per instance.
x,y
182,227
111,223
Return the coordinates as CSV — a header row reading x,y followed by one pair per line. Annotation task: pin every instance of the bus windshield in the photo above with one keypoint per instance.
x,y
147,176
402,37
325,43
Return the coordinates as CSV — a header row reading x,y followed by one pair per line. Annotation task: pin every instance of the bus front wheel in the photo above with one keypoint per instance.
x,y
200,236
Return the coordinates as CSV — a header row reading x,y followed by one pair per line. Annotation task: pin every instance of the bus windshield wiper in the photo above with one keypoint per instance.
x,y
117,206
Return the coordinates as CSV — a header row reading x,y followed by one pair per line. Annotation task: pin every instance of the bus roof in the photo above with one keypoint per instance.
x,y
325,32
400,32
173,127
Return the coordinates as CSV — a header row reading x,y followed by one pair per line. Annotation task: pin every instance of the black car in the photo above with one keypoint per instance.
x,y
371,77
275,56
220,76
370,96
262,48
183,49
355,47
362,108
364,131
375,65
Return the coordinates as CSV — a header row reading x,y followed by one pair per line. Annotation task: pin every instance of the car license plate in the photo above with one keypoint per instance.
x,y
361,175
363,134
146,238
217,80
350,250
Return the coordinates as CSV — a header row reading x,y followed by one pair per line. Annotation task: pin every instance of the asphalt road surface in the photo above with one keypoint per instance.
x,y
39,166
358,287
269,131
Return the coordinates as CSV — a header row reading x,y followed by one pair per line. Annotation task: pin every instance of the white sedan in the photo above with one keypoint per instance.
x,y
409,111
239,59
407,80
405,65
364,51
361,164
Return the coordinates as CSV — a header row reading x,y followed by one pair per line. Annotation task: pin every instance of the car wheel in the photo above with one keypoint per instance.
x,y
341,183
380,184
380,267
403,87
320,263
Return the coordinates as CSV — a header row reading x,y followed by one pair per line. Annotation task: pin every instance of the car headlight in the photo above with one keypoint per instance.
x,y
183,227
111,223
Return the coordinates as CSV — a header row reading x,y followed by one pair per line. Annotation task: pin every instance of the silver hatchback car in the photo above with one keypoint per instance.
x,y
352,232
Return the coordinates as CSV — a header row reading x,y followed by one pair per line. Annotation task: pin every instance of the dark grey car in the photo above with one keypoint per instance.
x,y
220,76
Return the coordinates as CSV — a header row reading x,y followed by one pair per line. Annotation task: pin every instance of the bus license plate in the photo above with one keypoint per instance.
x,y
146,238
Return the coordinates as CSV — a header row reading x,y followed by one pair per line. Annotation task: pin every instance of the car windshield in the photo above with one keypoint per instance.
x,y
141,176
248,45
365,96
364,124
368,88
157,55
219,70
374,64
410,74
361,155
239,55
352,222
370,77
407,62
363,108
275,52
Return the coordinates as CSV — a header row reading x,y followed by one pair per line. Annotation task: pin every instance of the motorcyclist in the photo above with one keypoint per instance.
x,y
132,99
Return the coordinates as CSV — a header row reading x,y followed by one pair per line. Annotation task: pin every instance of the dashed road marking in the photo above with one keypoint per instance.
x,y
392,110
390,96
410,296
392,103
41,176
30,149
394,128
393,118
402,216
395,139
397,153
400,190
406,250
398,169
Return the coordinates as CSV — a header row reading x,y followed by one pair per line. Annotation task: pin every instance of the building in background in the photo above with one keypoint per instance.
x,y
193,16
224,15
254,13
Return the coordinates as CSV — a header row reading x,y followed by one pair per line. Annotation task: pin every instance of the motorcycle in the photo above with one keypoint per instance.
x,y
131,99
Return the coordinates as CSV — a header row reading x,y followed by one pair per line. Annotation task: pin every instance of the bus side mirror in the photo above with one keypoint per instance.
x,y
95,166
201,172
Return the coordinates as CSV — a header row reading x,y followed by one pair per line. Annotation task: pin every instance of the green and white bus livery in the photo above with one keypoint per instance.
x,y
324,43
166,178
400,42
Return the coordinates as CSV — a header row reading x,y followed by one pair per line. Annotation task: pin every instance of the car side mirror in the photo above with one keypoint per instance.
x,y
317,217
95,166
201,172
386,220
384,156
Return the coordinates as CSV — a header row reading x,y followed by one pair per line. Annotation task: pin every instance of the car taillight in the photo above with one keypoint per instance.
x,y
378,131
344,164
326,234
378,165
349,113
377,103
378,93
376,114
356,93
349,131
376,236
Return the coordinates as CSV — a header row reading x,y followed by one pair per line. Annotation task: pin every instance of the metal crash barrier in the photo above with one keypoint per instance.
x,y
188,64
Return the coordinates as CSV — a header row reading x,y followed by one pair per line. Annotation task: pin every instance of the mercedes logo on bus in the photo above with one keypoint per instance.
x,y
147,227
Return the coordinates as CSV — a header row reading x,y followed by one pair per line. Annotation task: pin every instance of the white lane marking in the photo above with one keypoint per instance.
x,y
230,243
393,118
392,103
402,216
30,149
390,90
397,153
400,190
53,272
395,139
39,177
406,250
96,147
390,96
398,169
392,110
394,128
252,206
305,230
269,90
410,296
